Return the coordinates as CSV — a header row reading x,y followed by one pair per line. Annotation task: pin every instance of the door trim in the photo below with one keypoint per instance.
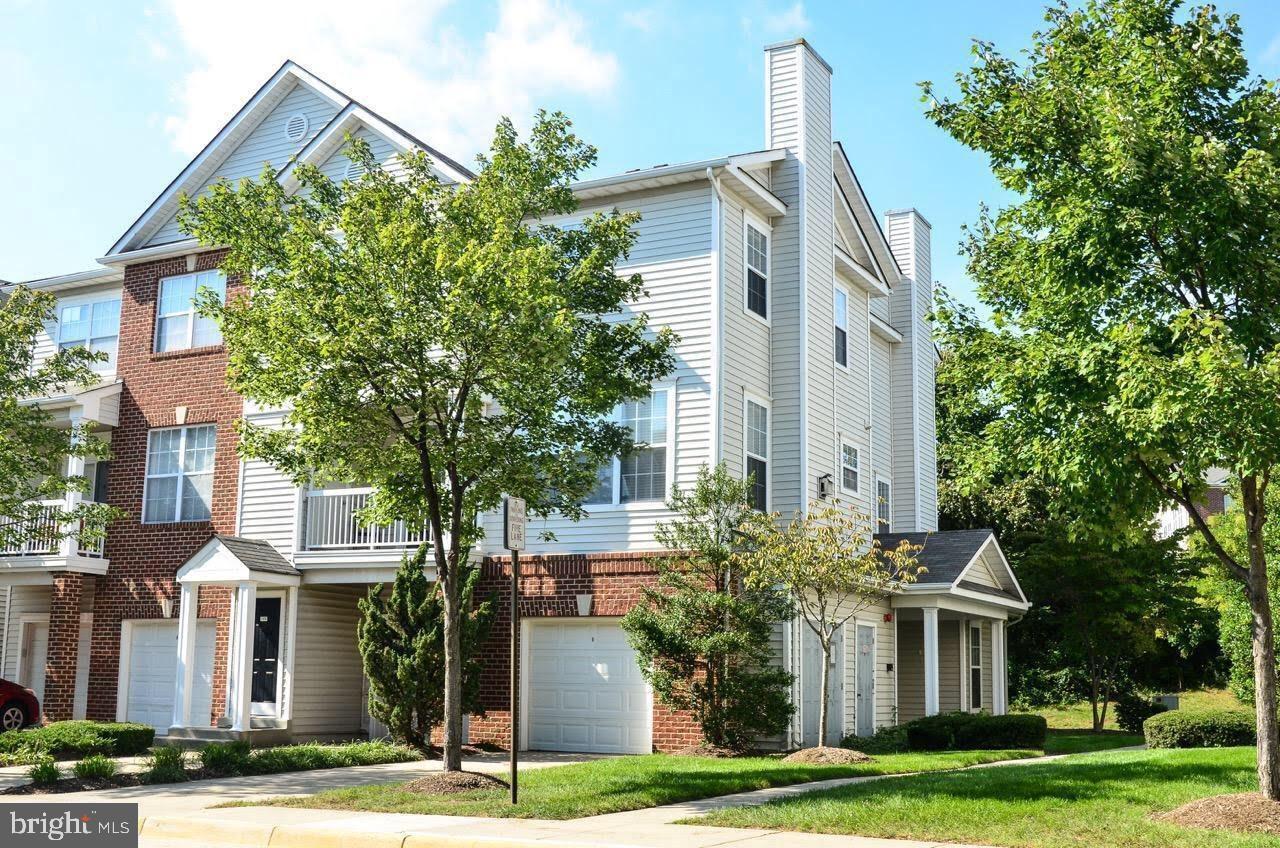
x,y
875,645
26,621
265,708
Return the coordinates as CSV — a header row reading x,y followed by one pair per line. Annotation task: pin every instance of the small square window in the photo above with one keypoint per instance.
x,y
178,326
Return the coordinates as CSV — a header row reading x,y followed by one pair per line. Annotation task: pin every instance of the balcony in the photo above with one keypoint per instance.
x,y
335,547
45,547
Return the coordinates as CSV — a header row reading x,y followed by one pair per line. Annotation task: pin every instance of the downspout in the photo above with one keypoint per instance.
x,y
717,320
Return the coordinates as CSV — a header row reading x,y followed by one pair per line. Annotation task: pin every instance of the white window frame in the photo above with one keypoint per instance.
x,y
90,301
757,223
179,475
974,627
839,322
885,527
189,312
670,444
759,400
845,443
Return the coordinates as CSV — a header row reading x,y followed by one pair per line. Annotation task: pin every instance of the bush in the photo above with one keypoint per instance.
x,y
887,740
1202,729
45,772
975,731
224,758
75,740
1133,709
166,765
314,756
95,767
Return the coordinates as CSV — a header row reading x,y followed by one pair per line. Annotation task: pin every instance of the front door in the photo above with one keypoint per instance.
x,y
866,680
266,655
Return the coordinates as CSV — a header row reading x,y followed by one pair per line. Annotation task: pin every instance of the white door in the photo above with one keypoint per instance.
x,y
866,662
583,689
153,673
80,706
35,655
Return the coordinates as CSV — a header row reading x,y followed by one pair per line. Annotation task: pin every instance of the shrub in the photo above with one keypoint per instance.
x,y
1133,709
975,731
1201,729
95,767
45,772
127,739
75,740
224,758
314,756
887,740
166,765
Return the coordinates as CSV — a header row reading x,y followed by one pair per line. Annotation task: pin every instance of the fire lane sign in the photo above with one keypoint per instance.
x,y
513,530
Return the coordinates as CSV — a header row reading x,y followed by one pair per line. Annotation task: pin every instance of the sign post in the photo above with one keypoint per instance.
x,y
513,527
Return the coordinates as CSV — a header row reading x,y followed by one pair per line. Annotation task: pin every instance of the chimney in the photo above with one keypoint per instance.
x,y
915,462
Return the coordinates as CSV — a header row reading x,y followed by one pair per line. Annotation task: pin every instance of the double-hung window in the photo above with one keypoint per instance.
x,y
94,325
178,327
757,270
883,516
179,483
641,475
850,468
841,305
757,451
975,666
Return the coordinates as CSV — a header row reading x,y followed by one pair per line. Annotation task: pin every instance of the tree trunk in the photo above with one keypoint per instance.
x,y
1264,645
826,685
452,757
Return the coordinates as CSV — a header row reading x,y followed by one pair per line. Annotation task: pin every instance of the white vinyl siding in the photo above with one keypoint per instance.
x,y
179,478
328,673
178,325
337,167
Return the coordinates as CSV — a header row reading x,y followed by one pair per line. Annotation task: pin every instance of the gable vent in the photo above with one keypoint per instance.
x,y
295,129
355,170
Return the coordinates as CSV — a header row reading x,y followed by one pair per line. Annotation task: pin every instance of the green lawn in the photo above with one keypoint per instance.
x,y
1082,741
628,783
1089,800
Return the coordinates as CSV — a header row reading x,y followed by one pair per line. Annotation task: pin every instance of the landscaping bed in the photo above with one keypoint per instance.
x,y
74,740
1109,798
628,783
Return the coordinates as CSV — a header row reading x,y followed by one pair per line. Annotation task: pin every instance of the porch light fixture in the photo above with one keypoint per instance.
x,y
824,486
584,604
166,607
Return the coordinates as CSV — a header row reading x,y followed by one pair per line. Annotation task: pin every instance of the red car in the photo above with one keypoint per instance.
x,y
18,706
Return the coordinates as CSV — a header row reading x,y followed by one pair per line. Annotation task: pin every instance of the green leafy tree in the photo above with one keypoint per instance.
x,y
33,451
401,641
703,635
435,341
832,568
1133,279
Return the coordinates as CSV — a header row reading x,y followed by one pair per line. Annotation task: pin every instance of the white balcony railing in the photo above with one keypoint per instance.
x,y
330,524
41,536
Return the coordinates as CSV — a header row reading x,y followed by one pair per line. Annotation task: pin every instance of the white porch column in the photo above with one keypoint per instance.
x,y
999,670
187,611
75,468
242,637
288,651
930,660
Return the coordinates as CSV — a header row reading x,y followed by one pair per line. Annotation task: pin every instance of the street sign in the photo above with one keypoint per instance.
x,y
514,525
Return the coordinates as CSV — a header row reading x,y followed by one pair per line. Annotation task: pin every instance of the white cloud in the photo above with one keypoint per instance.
x,y
394,55
790,22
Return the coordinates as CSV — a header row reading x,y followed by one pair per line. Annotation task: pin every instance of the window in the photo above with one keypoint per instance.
x,y
757,271
842,327
975,666
178,327
849,468
642,474
179,484
757,444
883,520
94,325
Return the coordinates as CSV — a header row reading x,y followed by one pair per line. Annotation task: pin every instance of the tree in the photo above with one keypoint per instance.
x,y
1132,280
435,341
401,641
832,568
33,451
703,636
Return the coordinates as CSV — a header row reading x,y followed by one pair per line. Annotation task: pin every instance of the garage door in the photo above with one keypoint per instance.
x,y
153,671
585,692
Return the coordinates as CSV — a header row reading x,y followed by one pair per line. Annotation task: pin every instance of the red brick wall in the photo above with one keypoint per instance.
x,y
145,557
548,587
64,645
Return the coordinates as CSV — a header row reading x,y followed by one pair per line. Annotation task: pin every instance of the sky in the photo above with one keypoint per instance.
x,y
104,103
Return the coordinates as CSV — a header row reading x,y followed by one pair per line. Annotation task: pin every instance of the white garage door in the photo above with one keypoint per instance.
x,y
585,692
153,672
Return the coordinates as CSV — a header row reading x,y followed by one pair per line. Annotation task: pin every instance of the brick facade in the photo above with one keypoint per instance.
x,y
64,645
145,557
549,586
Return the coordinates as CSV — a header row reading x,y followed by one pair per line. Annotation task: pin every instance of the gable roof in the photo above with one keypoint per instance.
x,y
868,224
204,166
950,556
231,559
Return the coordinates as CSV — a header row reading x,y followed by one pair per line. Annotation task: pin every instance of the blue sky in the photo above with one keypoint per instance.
x,y
105,103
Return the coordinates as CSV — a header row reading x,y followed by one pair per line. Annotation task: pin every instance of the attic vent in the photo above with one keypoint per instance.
x,y
355,170
295,129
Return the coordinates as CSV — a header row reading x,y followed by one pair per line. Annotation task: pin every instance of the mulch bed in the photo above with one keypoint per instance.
x,y
706,749
1247,812
824,756
453,782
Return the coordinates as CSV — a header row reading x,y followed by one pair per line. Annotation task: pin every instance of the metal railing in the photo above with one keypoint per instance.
x,y
330,524
41,535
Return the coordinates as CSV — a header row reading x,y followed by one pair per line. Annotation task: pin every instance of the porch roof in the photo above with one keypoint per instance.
x,y
950,558
232,559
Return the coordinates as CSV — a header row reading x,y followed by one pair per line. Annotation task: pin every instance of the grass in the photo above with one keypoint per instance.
x,y
627,783
1095,799
1060,741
